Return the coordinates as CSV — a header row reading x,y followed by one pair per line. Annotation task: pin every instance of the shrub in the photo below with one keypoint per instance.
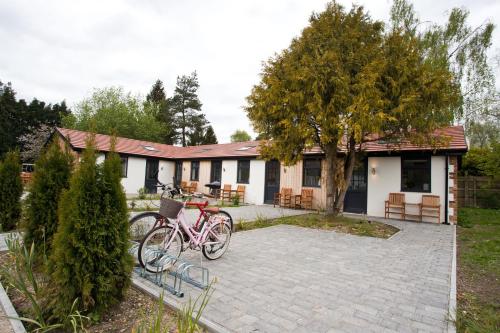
x,y
51,177
236,200
11,190
141,193
90,260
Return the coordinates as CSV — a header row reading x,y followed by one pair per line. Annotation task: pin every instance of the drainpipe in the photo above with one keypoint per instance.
x,y
446,202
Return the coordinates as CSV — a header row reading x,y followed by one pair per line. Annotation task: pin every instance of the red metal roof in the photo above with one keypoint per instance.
x,y
237,149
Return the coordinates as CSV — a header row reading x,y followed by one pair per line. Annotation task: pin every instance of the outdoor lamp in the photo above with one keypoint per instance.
x,y
374,171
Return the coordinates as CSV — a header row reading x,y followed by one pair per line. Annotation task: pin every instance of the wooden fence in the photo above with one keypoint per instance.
x,y
478,192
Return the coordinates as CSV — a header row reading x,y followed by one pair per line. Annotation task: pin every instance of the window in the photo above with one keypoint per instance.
x,y
243,174
216,171
416,174
124,161
195,170
312,173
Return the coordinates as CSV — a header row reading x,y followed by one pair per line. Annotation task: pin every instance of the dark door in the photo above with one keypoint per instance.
x,y
356,195
178,173
272,180
151,175
216,171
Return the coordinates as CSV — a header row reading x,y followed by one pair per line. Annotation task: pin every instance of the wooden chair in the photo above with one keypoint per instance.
x,y
184,186
225,192
304,200
430,207
192,187
283,198
395,205
240,191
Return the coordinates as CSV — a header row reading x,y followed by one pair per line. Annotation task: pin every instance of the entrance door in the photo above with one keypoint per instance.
x,y
272,181
178,173
216,171
356,195
151,175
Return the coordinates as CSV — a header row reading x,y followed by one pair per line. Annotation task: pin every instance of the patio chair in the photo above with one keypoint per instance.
x,y
184,186
395,205
225,192
304,199
283,198
192,187
240,191
430,207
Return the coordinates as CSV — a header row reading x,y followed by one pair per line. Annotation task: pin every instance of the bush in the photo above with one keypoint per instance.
x,y
51,177
90,259
236,200
142,193
11,190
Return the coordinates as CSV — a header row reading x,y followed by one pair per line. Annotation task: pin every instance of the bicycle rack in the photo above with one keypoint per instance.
x,y
166,265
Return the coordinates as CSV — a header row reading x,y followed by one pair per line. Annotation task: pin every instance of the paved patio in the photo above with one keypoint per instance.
x,y
292,279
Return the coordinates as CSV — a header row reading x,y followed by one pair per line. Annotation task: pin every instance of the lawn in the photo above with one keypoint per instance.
x,y
478,272
342,224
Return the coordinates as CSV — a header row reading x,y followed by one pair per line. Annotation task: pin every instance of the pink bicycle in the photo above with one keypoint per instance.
x,y
168,240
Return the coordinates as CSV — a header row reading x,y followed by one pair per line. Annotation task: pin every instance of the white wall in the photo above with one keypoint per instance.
x,y
166,172
387,179
136,174
254,190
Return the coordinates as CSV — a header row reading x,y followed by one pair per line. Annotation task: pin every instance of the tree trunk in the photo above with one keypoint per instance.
x,y
331,184
348,168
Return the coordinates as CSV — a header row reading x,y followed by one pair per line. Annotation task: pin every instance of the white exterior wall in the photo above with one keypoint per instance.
x,y
387,179
136,174
254,190
166,171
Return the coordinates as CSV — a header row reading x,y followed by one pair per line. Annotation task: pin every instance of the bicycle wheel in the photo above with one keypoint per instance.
x,y
143,223
225,215
153,253
217,242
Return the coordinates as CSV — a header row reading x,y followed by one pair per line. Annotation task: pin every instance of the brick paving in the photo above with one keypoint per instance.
x,y
292,279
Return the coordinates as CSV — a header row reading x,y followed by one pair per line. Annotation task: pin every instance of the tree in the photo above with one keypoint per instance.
x,y
11,190
345,82
111,110
90,260
19,119
186,106
483,135
459,48
210,137
157,105
51,177
240,136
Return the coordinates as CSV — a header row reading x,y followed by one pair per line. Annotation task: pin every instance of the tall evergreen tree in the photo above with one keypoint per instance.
x,y
186,106
157,104
90,261
11,190
210,137
51,177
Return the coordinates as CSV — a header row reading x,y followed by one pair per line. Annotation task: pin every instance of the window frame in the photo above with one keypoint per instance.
x,y
428,169
124,159
197,178
318,159
238,168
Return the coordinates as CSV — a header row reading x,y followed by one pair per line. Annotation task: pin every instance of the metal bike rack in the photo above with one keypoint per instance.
x,y
166,265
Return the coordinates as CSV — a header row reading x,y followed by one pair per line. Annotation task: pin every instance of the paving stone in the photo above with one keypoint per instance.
x,y
286,278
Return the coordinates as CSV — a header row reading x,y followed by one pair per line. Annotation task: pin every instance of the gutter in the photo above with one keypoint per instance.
x,y
446,190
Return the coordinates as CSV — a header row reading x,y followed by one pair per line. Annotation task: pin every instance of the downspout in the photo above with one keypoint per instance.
x,y
446,202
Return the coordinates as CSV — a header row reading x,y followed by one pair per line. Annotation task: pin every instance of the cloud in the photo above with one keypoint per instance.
x,y
57,50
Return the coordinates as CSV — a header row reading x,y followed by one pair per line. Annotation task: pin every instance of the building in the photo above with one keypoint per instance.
x,y
381,168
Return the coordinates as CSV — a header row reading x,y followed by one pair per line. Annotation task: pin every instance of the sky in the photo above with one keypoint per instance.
x,y
61,50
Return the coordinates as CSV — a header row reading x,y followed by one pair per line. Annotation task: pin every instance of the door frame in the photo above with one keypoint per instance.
x,y
146,179
212,162
265,180
365,208
178,172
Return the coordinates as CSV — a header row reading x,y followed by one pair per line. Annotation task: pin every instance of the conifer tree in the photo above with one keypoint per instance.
x,y
210,137
51,177
11,190
89,261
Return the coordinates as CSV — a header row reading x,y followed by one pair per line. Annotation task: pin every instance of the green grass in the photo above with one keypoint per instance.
x,y
478,242
342,224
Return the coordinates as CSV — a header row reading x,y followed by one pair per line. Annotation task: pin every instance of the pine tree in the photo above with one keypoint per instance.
x,y
90,261
51,177
11,190
186,106
157,104
210,137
